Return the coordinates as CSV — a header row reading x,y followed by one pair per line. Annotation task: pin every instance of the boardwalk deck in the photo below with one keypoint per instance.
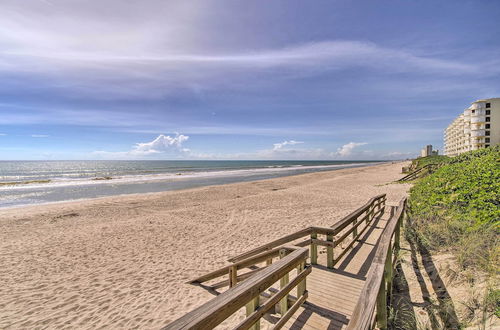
x,y
333,293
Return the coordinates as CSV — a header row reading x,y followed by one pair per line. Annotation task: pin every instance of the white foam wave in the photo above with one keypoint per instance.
x,y
143,178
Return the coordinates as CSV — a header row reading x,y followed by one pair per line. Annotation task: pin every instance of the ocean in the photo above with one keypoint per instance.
x,y
39,182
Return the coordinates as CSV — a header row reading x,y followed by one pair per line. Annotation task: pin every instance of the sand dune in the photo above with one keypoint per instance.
x,y
122,262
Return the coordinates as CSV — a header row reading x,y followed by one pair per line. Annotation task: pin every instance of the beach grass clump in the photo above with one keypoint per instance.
x,y
492,301
458,208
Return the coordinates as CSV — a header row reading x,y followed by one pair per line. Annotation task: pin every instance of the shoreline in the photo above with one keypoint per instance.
x,y
124,261
329,168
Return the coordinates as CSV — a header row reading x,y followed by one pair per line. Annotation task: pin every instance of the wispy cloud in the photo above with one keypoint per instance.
x,y
328,55
39,135
117,67
97,51
280,145
3,134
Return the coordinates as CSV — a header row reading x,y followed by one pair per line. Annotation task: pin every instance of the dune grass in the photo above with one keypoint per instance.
x,y
457,209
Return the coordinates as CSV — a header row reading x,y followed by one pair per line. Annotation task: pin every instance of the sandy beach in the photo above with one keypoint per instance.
x,y
122,262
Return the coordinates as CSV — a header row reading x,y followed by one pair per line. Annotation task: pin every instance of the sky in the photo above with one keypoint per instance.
x,y
260,79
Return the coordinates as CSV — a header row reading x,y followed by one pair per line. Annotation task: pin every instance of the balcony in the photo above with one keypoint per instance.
x,y
478,112
466,130
478,105
477,133
477,119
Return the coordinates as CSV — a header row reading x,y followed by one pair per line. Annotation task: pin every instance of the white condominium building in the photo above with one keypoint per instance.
x,y
478,127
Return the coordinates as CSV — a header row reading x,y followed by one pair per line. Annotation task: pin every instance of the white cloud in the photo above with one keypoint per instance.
x,y
347,149
3,134
39,135
286,143
287,150
164,146
168,147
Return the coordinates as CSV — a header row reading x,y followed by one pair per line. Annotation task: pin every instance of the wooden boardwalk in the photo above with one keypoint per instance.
x,y
334,293
316,278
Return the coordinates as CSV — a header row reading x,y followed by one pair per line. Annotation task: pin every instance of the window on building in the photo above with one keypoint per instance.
x,y
488,112
473,111
487,140
487,133
487,125
488,105
487,119
486,145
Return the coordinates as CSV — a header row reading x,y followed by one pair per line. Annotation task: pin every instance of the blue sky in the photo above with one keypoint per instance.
x,y
336,79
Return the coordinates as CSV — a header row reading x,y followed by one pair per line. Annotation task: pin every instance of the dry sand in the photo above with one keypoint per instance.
x,y
122,262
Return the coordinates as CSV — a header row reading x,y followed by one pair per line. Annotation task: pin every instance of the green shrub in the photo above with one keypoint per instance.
x,y
492,301
458,207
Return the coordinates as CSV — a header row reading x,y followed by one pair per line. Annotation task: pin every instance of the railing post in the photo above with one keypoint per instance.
x,y
233,277
388,272
329,252
355,231
269,261
283,282
382,306
385,291
397,235
314,249
301,287
251,307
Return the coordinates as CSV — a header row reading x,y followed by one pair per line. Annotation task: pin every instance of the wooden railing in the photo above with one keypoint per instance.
x,y
331,237
251,275
429,168
363,215
248,294
372,305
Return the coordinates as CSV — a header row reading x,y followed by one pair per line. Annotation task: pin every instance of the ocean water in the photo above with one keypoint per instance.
x,y
38,182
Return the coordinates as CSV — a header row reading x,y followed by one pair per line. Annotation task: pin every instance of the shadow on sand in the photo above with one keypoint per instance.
x,y
442,313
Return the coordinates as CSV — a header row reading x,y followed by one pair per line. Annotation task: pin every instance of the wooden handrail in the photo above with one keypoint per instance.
x,y
414,174
366,213
373,296
212,313
333,230
273,244
239,265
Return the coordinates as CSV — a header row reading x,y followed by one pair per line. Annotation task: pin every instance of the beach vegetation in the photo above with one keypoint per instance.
x,y
434,160
458,208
